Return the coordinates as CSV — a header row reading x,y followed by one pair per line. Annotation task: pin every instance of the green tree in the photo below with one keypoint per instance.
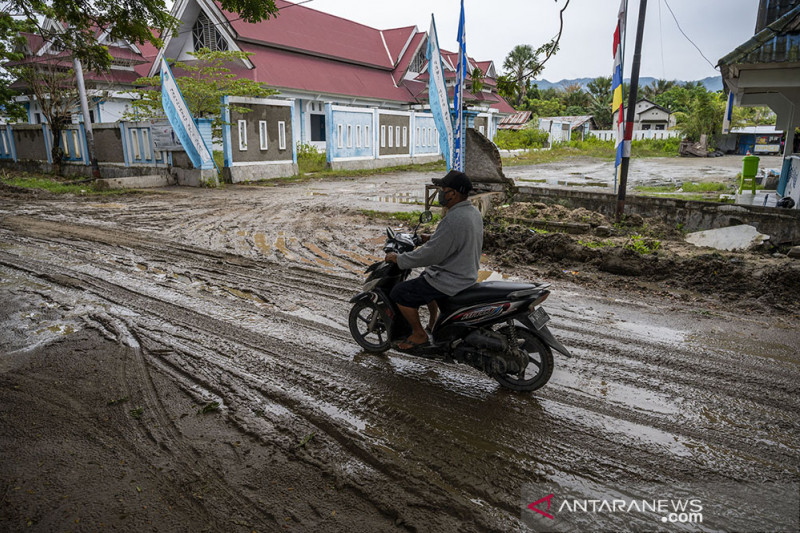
x,y
477,81
657,88
545,108
507,87
10,48
573,95
52,84
600,101
522,64
204,82
753,116
704,117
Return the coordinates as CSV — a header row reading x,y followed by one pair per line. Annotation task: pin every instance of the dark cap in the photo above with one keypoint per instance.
x,y
458,181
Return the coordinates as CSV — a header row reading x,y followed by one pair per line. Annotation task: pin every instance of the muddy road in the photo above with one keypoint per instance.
x,y
180,361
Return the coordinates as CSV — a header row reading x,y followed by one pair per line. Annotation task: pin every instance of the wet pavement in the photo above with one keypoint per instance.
x,y
235,301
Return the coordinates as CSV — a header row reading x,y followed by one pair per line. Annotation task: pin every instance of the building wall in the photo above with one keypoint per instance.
x,y
426,136
396,125
351,131
252,125
108,143
30,142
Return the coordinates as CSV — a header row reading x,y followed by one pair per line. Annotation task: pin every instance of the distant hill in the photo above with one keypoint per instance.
x,y
712,83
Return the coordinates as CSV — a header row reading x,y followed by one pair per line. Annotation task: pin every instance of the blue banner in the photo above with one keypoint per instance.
x,y
458,100
180,118
437,95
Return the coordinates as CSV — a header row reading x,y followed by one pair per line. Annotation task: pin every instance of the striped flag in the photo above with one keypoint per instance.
x,y
617,107
728,118
180,119
461,74
437,95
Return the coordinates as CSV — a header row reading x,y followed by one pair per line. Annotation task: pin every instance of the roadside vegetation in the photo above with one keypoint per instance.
x,y
703,192
591,147
57,185
410,218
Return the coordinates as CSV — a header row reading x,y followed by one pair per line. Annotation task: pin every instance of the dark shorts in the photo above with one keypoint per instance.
x,y
415,293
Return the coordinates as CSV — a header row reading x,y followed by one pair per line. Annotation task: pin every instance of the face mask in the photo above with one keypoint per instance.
x,y
442,198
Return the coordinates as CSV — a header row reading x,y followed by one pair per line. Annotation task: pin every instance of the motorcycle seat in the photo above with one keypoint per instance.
x,y
488,291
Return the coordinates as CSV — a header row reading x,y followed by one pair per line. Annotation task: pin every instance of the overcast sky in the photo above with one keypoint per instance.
x,y
494,27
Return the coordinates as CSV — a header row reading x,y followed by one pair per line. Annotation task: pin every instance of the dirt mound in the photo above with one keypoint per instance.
x,y
734,275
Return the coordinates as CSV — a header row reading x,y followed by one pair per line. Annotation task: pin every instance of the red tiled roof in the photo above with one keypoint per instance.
x,y
396,39
405,61
300,28
149,54
293,70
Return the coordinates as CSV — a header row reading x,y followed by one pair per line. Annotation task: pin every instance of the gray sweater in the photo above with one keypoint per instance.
x,y
453,253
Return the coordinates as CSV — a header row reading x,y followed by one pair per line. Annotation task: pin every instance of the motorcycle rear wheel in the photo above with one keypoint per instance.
x,y
540,364
369,326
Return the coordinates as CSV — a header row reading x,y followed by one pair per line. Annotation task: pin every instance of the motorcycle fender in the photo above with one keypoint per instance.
x,y
362,296
376,295
545,335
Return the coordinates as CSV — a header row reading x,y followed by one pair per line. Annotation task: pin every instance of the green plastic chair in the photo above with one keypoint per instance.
x,y
749,171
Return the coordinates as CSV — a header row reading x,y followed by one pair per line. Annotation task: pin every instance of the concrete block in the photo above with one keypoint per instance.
x,y
244,173
743,237
794,252
133,182
195,177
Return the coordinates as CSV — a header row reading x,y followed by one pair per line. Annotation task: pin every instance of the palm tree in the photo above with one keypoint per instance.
x,y
522,64
600,106
656,88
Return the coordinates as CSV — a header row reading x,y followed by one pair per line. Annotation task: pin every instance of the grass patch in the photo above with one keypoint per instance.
x,y
43,182
705,187
593,147
411,217
643,245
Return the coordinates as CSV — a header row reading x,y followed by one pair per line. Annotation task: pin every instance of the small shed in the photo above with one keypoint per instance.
x,y
517,121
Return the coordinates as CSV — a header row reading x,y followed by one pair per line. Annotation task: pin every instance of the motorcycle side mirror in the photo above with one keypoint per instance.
x,y
424,218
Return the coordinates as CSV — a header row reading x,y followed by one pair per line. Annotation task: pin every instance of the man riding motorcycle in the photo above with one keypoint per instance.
x,y
452,255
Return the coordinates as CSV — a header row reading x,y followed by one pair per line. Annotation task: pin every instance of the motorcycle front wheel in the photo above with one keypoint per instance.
x,y
539,368
369,326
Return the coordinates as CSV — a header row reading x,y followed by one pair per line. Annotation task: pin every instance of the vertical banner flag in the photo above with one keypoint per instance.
x,y
461,73
180,118
617,107
726,121
437,95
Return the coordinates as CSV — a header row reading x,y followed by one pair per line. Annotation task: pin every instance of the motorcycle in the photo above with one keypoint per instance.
x,y
497,327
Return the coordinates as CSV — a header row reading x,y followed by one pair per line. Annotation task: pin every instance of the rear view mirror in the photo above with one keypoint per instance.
x,y
425,217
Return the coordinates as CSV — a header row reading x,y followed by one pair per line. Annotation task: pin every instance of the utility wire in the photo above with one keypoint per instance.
x,y
687,37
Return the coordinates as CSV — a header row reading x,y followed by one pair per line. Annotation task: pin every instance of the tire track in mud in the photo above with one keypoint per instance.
x,y
425,428
607,454
609,349
416,496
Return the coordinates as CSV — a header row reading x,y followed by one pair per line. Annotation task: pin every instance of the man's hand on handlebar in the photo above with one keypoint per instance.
x,y
390,258
425,237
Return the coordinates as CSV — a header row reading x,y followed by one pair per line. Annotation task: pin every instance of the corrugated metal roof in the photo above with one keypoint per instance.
x,y
777,43
520,117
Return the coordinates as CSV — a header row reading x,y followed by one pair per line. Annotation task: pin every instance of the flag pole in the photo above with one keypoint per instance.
x,y
631,114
